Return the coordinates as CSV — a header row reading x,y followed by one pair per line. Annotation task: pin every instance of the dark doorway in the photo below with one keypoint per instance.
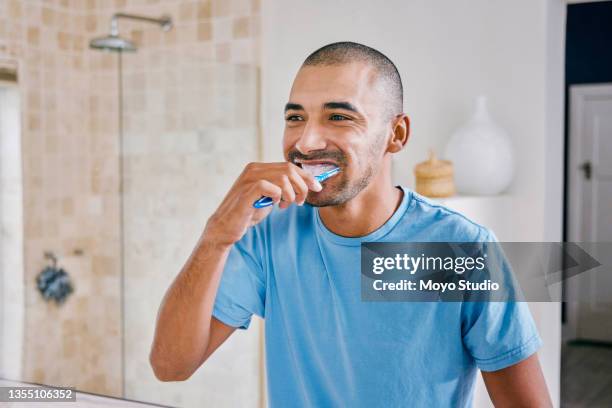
x,y
586,376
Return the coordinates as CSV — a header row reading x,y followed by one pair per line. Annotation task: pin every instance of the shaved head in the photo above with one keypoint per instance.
x,y
347,52
345,108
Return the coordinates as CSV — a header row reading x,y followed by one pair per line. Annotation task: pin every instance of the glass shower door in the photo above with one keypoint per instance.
x,y
189,126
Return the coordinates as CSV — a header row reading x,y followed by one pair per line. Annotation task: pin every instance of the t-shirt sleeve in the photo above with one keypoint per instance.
x,y
242,288
498,334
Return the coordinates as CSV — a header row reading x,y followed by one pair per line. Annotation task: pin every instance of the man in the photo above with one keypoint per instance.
x,y
298,265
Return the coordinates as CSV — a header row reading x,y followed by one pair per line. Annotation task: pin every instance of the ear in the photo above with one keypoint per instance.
x,y
400,133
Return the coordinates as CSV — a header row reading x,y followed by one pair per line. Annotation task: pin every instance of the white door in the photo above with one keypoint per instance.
x,y
590,205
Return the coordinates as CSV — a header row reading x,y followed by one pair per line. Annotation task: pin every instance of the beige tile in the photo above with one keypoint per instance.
x,y
186,33
77,60
221,8
62,19
33,99
241,27
63,40
52,143
241,7
33,122
255,25
255,6
186,12
222,29
14,9
136,36
78,44
33,36
32,13
33,227
67,206
90,23
203,9
152,37
104,266
204,31
223,52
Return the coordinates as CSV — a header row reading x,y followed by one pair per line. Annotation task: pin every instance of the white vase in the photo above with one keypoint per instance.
x,y
481,154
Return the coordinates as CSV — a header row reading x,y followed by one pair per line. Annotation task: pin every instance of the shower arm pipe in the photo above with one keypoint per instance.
x,y
165,21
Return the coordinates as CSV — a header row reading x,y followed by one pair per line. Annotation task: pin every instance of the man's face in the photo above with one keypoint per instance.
x,y
336,114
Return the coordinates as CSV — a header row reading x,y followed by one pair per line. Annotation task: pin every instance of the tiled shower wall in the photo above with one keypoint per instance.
x,y
67,205
190,121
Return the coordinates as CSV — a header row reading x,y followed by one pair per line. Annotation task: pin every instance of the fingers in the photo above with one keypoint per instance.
x,y
308,178
265,188
288,194
299,186
260,214
301,182
285,182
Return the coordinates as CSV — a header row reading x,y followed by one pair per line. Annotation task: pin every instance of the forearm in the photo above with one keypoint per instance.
x,y
183,323
520,385
184,335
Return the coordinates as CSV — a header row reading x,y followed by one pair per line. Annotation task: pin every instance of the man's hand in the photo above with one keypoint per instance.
x,y
520,385
186,334
281,181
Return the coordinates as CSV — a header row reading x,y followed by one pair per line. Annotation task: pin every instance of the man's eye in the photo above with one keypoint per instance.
x,y
294,118
338,117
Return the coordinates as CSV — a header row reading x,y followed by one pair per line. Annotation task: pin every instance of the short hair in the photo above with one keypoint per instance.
x,y
346,52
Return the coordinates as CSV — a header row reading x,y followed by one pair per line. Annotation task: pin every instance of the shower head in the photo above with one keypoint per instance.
x,y
112,43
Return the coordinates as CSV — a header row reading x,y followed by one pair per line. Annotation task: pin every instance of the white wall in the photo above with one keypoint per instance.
x,y
448,52
11,234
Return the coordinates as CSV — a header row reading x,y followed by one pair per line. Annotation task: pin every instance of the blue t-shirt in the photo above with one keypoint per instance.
x,y
327,348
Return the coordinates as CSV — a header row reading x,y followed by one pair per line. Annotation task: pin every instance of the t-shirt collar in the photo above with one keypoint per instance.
x,y
374,235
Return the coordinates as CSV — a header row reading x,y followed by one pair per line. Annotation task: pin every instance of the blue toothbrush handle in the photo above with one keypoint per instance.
x,y
263,202
267,201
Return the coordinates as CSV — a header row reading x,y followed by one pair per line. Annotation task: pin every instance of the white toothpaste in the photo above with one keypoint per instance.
x,y
316,169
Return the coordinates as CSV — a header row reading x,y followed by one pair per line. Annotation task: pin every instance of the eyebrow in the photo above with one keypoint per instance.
x,y
293,106
329,105
341,105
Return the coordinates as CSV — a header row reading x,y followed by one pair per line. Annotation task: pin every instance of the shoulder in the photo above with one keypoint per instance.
x,y
437,222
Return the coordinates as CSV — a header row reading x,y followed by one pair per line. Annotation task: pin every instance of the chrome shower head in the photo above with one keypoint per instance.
x,y
112,43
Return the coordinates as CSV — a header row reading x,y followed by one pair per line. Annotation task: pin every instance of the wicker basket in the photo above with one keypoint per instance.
x,y
434,178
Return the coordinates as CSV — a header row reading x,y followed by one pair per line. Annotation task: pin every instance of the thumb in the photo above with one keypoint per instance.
x,y
260,214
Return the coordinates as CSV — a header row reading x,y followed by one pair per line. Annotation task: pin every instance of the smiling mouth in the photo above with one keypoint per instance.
x,y
316,168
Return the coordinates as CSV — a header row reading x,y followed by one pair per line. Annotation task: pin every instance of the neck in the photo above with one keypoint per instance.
x,y
367,211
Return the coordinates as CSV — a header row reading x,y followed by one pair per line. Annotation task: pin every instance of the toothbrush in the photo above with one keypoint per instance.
x,y
267,201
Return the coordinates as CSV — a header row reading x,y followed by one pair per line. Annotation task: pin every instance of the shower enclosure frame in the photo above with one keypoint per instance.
x,y
115,43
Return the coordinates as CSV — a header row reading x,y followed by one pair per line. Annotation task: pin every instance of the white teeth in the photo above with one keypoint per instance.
x,y
316,169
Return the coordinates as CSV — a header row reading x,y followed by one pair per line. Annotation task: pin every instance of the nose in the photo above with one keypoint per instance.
x,y
311,139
